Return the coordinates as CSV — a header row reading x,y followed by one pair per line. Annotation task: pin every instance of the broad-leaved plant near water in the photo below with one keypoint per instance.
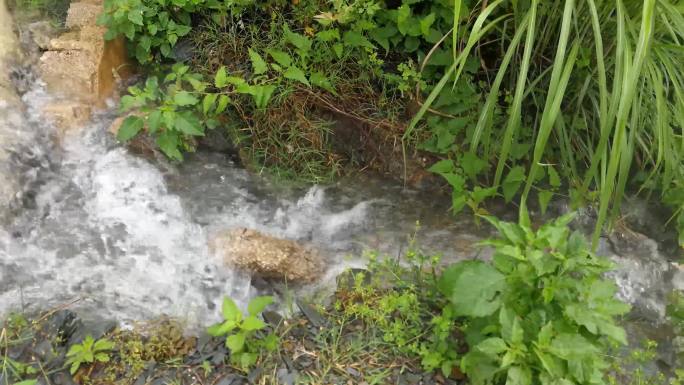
x,y
241,331
540,313
88,351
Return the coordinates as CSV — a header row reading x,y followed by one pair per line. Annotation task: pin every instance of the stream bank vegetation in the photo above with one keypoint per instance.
x,y
579,99
407,320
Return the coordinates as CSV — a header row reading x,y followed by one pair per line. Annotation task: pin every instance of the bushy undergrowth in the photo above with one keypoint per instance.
x,y
514,96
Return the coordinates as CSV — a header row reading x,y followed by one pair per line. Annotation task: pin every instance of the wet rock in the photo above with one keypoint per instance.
x,y
41,32
286,377
67,115
272,318
267,256
312,314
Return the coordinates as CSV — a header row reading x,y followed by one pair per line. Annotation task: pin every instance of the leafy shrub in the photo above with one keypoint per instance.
x,y
540,312
88,351
240,331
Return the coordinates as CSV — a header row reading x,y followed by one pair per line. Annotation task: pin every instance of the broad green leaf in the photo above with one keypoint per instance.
x,y
168,141
154,121
282,58
258,304
188,126
544,199
220,80
222,104
492,347
294,73
356,39
328,35
519,375
321,81
262,95
443,166
473,287
221,329
512,182
208,102
259,65
102,357
572,347
252,323
236,342
425,24
300,41
103,344
554,178
130,127
230,310
27,382
184,98
472,165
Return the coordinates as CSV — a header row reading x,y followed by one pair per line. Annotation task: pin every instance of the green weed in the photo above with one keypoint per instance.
x,y
88,352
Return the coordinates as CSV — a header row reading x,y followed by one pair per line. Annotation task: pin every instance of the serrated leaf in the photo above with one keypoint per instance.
x,y
188,126
473,287
168,142
230,310
258,304
135,16
356,39
320,80
222,104
544,200
295,73
208,102
259,65
221,329
512,182
220,79
262,95
252,323
282,58
184,98
518,375
130,127
492,347
236,342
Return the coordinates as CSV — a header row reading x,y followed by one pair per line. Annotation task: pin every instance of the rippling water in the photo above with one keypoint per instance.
x,y
126,236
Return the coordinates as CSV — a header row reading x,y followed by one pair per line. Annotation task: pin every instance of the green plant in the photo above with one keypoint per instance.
x,y
541,312
241,332
88,351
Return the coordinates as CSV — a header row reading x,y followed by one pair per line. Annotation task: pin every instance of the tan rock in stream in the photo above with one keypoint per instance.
x,y
267,256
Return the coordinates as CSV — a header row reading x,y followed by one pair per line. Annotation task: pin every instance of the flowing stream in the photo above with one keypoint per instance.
x,y
126,236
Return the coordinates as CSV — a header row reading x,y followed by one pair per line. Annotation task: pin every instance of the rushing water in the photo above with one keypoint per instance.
x,y
126,236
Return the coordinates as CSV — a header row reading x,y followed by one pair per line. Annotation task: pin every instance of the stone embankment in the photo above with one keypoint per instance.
x,y
81,67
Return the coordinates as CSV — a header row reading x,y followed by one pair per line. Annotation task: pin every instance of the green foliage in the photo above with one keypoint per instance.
x,y
541,312
241,331
88,351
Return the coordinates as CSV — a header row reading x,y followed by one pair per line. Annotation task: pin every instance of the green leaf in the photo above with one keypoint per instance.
x,y
102,357
294,73
74,367
184,98
221,329
518,375
258,304
27,382
426,23
135,16
512,182
492,347
236,342
259,65
222,104
472,165
544,199
208,102
328,35
253,323
321,81
220,79
130,127
443,166
262,95
103,344
300,41
188,125
154,121
572,347
168,142
230,310
554,178
355,39
280,57
473,288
